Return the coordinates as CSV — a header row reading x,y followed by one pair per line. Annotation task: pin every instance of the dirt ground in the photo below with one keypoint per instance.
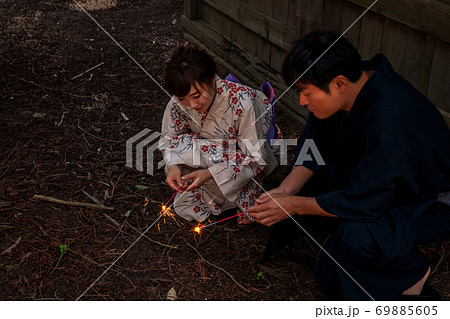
x,y
62,134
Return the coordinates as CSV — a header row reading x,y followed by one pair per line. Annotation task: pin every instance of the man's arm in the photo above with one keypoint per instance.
x,y
268,210
276,207
296,179
292,184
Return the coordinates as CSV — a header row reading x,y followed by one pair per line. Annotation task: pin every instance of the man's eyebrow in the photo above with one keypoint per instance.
x,y
196,92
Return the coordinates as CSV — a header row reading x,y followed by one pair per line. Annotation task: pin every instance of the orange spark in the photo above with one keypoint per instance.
x,y
163,207
146,201
197,230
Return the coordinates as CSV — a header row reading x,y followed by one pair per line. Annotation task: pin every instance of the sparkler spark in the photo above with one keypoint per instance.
x,y
212,200
199,228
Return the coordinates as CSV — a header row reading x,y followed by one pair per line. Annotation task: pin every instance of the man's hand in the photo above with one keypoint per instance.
x,y
174,177
265,195
199,178
268,212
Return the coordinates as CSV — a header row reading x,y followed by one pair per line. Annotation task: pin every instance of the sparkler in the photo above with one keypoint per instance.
x,y
199,228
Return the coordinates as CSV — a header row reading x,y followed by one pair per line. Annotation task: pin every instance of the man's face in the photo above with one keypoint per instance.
x,y
321,104
199,97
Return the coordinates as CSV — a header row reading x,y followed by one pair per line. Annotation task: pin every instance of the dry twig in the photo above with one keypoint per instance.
x,y
63,202
153,241
13,246
219,268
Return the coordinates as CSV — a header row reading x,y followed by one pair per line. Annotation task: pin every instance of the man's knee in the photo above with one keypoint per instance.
x,y
353,242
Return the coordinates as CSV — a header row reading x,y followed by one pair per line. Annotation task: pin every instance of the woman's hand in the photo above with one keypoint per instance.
x,y
199,178
174,177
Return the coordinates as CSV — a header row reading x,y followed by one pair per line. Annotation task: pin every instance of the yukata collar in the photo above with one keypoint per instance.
x,y
383,72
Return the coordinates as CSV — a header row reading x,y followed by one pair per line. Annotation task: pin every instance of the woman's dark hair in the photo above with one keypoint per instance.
x,y
341,59
186,65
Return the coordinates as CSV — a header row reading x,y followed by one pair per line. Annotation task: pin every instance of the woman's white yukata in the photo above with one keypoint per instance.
x,y
224,140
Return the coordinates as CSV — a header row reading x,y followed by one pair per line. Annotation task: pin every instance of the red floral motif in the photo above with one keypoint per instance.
x,y
225,144
258,171
266,101
171,146
238,112
175,138
197,209
177,122
198,196
236,170
231,85
230,129
251,196
186,126
219,90
205,148
253,94
234,100
244,205
216,207
245,189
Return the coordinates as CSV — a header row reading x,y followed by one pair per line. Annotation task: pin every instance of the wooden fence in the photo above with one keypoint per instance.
x,y
251,37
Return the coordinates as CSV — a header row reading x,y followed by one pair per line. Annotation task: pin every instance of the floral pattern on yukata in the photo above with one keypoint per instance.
x,y
221,141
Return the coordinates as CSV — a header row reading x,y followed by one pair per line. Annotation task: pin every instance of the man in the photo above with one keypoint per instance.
x,y
386,150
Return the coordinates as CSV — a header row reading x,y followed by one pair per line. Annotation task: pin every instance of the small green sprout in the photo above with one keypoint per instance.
x,y
63,249
259,276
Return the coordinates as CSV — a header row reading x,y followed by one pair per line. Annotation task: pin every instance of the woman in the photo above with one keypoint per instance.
x,y
210,137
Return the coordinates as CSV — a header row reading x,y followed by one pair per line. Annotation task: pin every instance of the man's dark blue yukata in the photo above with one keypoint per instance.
x,y
386,162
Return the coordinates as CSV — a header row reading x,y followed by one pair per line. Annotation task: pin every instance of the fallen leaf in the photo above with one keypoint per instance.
x,y
172,294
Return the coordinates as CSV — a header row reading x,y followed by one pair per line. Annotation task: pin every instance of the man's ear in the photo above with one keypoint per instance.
x,y
340,83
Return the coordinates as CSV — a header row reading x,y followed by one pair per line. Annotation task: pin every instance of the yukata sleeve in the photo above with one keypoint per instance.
x,y
177,138
247,155
380,179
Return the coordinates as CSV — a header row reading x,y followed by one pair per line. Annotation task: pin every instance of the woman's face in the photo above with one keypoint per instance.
x,y
199,98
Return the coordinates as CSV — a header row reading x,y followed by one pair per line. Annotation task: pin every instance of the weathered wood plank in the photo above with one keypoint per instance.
x,y
438,86
247,67
393,44
310,11
277,57
280,11
429,16
332,15
264,46
350,13
191,9
260,23
371,34
418,55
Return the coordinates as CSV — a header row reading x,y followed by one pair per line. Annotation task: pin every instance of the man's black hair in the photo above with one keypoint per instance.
x,y
341,59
